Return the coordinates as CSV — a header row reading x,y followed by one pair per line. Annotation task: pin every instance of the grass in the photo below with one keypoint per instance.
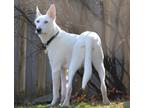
x,y
83,105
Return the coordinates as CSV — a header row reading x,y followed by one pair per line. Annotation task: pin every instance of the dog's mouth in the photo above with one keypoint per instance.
x,y
40,33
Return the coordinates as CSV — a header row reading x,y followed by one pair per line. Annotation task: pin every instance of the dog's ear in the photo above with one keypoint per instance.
x,y
52,12
38,12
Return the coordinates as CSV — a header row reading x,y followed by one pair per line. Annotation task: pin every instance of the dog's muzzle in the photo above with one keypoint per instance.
x,y
39,30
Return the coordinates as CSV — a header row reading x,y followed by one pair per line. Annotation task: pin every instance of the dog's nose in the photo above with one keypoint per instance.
x,y
39,30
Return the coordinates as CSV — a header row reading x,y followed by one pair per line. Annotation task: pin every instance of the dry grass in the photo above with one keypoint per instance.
x,y
84,105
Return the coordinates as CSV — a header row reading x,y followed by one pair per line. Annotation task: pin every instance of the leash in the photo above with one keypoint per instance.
x,y
50,40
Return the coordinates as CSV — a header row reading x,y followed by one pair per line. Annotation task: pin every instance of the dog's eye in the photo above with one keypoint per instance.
x,y
37,21
46,22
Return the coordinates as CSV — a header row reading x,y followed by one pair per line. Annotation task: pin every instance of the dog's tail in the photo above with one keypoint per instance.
x,y
87,62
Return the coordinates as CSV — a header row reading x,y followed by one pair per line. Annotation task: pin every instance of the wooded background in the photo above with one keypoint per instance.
x,y
109,18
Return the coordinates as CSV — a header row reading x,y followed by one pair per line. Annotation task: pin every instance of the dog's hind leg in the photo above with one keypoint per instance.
x,y
98,64
101,72
76,61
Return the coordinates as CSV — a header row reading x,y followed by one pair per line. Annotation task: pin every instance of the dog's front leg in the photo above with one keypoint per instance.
x,y
63,86
56,85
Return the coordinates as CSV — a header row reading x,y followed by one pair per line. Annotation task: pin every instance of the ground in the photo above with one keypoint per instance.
x,y
83,105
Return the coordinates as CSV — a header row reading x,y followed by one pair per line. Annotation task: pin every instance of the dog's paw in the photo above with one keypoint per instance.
x,y
54,102
65,104
106,101
50,105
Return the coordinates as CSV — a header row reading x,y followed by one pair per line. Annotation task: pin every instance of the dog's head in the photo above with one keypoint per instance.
x,y
45,23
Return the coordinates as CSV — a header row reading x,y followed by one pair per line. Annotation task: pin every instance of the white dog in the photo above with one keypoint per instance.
x,y
69,51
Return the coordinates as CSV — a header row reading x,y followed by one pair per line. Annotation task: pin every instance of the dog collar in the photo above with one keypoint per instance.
x,y
50,40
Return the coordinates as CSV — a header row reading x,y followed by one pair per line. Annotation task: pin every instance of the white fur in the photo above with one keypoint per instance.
x,y
70,51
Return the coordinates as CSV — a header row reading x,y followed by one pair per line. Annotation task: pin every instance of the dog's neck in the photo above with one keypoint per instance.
x,y
47,36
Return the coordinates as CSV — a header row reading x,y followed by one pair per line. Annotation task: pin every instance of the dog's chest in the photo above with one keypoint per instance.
x,y
60,50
